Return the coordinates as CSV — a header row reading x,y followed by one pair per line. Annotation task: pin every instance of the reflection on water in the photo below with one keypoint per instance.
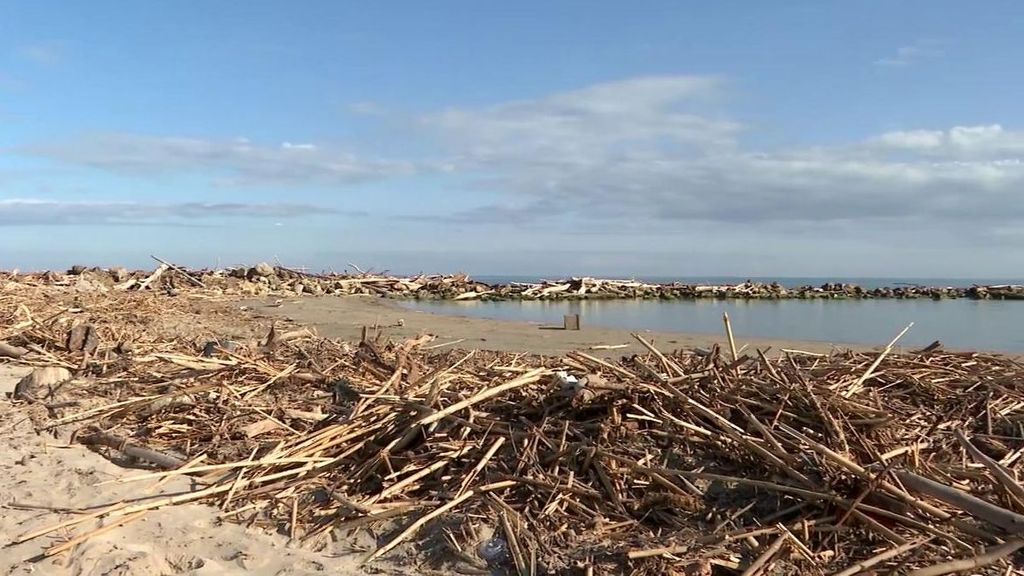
x,y
966,324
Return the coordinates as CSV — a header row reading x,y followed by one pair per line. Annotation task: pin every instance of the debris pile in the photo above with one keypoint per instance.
x,y
662,463
265,280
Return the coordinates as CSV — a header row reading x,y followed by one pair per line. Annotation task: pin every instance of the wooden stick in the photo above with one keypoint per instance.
x,y
53,551
1008,482
64,524
480,465
1001,517
666,550
761,561
597,361
853,389
184,272
214,467
415,526
97,438
728,333
669,364
882,557
9,351
528,378
992,556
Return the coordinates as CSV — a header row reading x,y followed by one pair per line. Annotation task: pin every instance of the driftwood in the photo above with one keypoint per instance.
x,y
9,351
153,277
980,561
995,515
665,462
99,438
183,272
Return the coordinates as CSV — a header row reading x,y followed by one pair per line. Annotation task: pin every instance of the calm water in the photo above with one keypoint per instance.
x,y
787,281
965,324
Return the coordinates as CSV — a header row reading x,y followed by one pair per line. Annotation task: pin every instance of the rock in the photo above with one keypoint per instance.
x,y
83,337
76,270
86,284
40,382
119,274
211,348
262,270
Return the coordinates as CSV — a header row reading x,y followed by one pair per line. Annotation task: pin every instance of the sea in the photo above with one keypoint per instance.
x,y
959,324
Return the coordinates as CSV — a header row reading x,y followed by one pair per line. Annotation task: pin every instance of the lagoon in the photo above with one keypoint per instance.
x,y
960,324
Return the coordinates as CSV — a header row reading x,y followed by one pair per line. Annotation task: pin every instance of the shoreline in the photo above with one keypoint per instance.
x,y
265,280
366,398
344,317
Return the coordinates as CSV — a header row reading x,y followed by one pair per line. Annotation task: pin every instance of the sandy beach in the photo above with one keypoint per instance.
x,y
345,317
50,477
46,479
46,473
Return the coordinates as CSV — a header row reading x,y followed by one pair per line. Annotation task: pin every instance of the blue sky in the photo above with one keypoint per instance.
x,y
663,138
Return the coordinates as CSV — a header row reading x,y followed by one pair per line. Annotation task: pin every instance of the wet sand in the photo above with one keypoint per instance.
x,y
345,316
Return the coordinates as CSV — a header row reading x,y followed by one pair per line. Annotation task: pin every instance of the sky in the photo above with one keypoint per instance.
x,y
797,138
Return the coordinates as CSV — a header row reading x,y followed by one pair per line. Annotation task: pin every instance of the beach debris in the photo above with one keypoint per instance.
x,y
40,383
82,338
8,351
97,437
568,385
720,461
119,274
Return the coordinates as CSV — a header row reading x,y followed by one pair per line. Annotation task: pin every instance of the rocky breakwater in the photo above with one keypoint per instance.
x,y
266,280
593,288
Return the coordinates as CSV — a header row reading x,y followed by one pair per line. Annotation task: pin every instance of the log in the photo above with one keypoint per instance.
x,y
154,276
995,515
980,561
9,351
161,459
184,272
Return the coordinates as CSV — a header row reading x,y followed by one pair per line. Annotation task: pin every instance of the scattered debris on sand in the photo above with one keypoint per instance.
x,y
684,462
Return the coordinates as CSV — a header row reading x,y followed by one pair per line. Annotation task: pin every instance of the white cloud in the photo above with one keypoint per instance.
x,y
238,161
639,150
290,146
624,119
31,211
990,142
640,153
913,139
912,54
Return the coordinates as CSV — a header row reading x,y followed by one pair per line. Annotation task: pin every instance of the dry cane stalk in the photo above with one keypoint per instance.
x,y
728,333
762,561
415,526
53,551
882,557
994,555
